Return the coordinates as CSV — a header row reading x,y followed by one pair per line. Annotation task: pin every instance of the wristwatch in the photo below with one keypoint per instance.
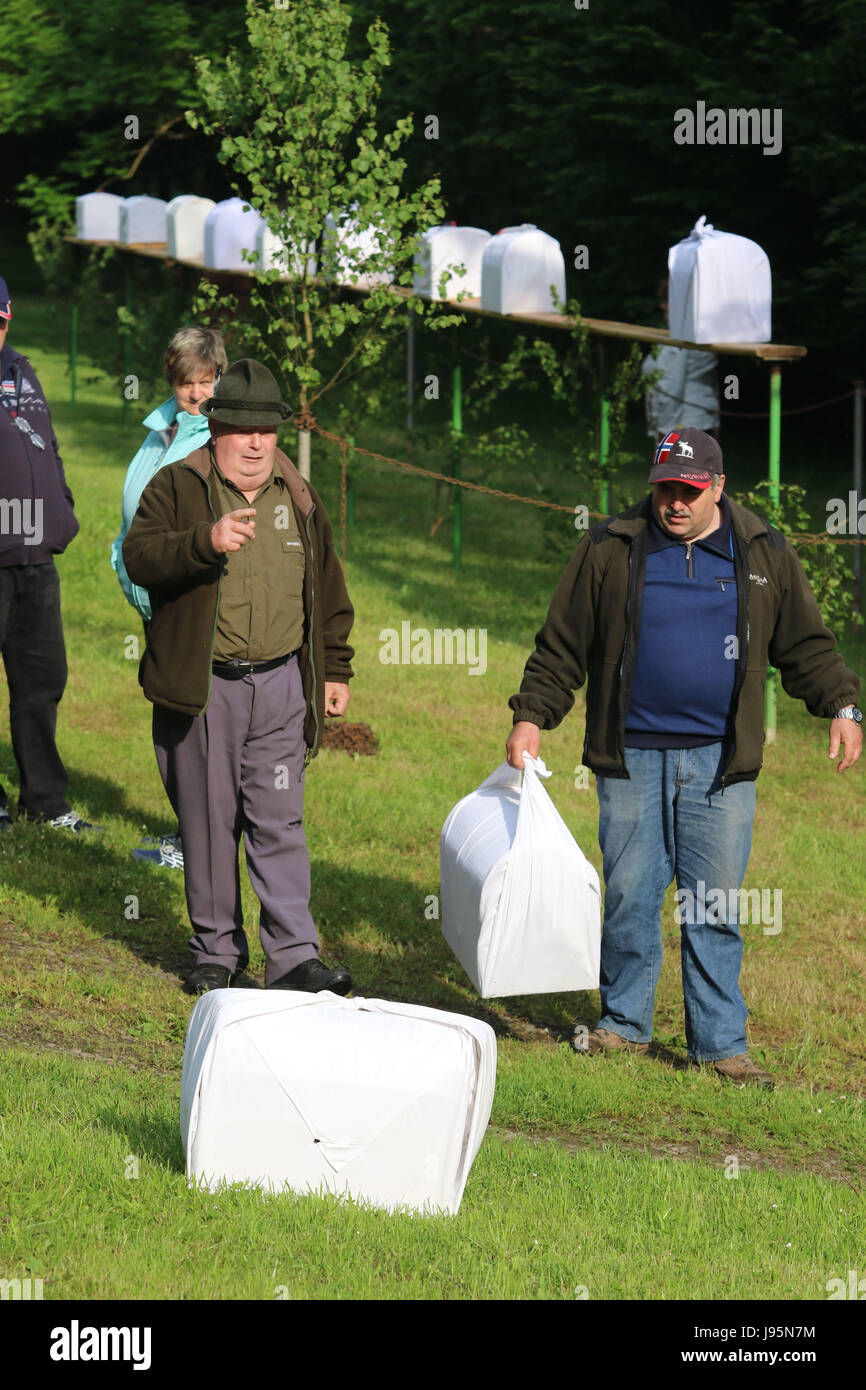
x,y
849,712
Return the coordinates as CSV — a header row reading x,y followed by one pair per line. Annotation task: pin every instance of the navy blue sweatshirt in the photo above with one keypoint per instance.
x,y
37,519
684,672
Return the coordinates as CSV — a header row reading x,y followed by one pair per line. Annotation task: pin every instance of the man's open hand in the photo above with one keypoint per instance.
x,y
336,697
525,737
849,733
233,530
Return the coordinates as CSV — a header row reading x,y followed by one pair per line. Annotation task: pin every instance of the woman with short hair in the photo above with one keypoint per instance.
x,y
194,361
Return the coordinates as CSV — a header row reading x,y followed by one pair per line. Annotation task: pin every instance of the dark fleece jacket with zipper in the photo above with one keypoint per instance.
x,y
28,474
168,551
593,628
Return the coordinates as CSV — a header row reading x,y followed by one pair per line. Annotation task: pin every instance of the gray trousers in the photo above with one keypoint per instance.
x,y
239,768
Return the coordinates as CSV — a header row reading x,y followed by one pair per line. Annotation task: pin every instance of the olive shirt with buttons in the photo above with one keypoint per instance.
x,y
261,610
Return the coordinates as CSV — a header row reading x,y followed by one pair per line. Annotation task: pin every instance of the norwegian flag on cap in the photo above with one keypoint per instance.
x,y
686,456
664,448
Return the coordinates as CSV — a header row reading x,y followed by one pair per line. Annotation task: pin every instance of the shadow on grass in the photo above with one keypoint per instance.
x,y
354,912
153,1138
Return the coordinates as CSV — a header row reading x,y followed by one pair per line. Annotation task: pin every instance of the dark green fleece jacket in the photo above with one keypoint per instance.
x,y
168,551
593,626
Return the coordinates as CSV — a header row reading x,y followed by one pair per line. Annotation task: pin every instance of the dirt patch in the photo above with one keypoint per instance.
x,y
126,1057
357,739
825,1165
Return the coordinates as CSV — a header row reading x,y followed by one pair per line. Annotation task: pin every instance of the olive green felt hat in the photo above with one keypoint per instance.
x,y
248,397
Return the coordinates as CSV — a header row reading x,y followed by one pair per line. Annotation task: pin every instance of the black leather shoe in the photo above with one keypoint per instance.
x,y
311,976
206,977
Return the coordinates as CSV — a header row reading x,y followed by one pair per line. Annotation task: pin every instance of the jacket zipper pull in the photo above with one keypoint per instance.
x,y
689,570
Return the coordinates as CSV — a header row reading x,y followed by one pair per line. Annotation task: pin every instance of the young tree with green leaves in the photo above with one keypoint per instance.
x,y
298,121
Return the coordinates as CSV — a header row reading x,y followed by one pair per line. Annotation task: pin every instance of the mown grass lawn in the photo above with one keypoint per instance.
x,y
610,1175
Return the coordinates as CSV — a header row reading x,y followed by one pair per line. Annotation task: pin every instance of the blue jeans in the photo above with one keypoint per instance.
x,y
671,819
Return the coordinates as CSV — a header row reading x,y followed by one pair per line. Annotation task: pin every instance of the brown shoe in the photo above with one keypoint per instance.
x,y
743,1071
603,1040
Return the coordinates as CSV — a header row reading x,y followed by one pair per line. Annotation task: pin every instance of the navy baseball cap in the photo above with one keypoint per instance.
x,y
5,301
686,456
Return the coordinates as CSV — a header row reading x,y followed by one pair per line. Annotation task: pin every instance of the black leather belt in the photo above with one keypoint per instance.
x,y
233,670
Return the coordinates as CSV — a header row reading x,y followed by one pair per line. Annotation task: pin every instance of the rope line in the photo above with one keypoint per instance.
x,y
442,477
755,414
801,538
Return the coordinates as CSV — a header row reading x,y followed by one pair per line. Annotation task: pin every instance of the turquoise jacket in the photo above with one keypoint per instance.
x,y
193,431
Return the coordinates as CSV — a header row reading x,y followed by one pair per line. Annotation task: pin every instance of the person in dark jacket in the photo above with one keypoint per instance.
x,y
247,653
37,522
671,611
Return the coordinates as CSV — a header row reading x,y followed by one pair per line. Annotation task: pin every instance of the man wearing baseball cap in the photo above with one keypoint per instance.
x,y
247,652
670,611
37,522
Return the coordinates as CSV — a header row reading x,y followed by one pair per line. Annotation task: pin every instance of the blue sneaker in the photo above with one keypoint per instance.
x,y
168,856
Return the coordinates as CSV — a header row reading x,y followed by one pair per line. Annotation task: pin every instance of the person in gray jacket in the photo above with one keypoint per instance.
x,y
686,394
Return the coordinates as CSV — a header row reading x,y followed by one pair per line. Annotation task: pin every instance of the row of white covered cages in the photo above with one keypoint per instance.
x,y
719,283
511,272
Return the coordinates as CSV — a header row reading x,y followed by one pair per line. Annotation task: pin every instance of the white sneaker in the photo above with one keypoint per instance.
x,y
71,820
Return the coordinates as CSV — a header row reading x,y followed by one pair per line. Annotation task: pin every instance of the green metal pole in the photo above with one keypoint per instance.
x,y
457,431
775,478
127,294
603,450
775,429
73,354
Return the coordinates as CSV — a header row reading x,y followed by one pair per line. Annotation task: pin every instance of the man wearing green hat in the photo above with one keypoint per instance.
x,y
247,653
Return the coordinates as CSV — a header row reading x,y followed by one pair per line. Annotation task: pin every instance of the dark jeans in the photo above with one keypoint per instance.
x,y
31,640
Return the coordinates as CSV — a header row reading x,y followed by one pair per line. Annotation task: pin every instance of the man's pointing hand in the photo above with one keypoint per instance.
x,y
233,530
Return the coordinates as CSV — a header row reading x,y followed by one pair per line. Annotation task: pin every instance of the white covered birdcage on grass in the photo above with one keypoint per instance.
x,y
383,1102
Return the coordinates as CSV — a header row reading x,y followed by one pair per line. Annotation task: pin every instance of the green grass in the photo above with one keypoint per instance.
x,y
97,1205
616,1167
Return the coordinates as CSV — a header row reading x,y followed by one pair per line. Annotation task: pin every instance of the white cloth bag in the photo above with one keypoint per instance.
x,y
387,1102
720,288
521,904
